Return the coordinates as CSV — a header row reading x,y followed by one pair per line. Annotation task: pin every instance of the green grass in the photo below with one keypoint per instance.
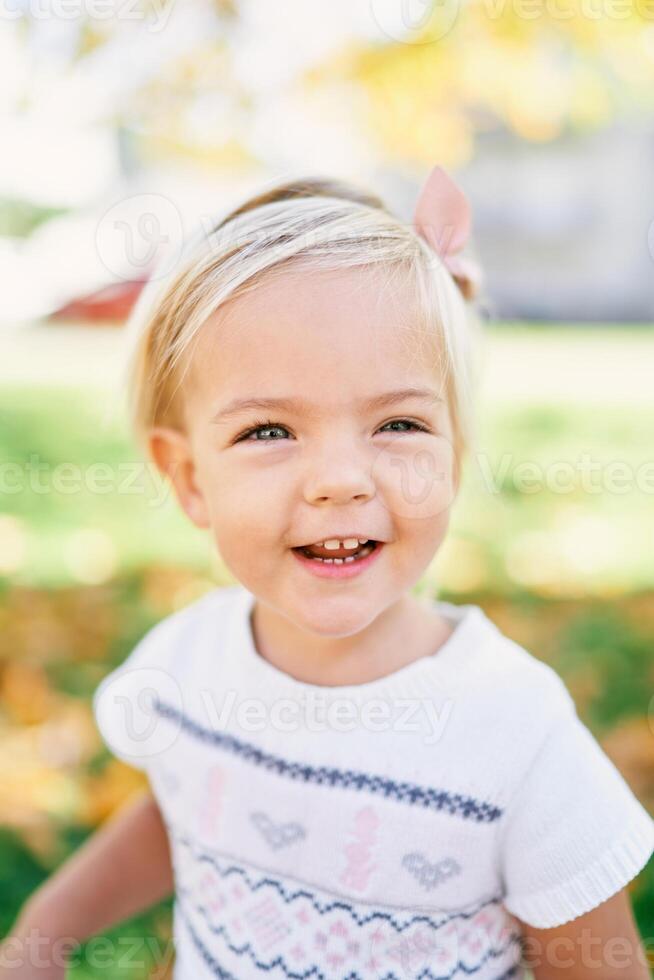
x,y
76,474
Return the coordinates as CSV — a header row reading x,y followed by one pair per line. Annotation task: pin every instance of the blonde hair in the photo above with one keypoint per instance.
x,y
320,223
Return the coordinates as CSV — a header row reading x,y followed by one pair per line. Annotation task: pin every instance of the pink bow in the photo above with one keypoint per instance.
x,y
442,218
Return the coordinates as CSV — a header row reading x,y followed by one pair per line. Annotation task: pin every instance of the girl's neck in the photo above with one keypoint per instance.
x,y
404,632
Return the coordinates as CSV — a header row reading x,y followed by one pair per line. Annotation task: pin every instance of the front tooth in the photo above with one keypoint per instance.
x,y
332,544
351,543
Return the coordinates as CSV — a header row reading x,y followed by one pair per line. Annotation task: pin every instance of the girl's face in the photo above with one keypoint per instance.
x,y
330,459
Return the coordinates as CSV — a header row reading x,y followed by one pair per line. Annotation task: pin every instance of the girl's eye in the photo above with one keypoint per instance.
x,y
276,426
262,427
415,425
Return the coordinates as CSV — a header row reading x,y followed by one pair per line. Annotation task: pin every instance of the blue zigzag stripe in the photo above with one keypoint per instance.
x,y
414,795
322,908
316,973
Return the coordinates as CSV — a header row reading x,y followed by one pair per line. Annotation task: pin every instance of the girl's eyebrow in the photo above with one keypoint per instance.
x,y
238,406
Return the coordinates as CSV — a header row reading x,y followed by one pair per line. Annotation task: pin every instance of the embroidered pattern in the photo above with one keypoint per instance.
x,y
358,850
315,972
261,923
429,875
410,793
211,809
276,834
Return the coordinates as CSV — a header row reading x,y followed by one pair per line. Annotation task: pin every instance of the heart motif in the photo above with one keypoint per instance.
x,y
276,834
429,875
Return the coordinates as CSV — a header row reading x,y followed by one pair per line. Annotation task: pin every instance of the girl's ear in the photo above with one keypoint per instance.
x,y
171,451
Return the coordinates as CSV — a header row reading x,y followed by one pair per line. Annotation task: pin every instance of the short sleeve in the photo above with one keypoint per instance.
x,y
125,703
574,834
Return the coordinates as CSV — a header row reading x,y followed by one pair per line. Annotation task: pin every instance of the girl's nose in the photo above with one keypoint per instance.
x,y
339,476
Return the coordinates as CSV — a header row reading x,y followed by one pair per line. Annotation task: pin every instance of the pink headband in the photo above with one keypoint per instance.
x,y
442,218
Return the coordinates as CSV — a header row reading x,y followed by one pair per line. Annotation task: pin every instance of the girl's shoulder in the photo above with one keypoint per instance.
x,y
572,832
127,702
508,676
169,641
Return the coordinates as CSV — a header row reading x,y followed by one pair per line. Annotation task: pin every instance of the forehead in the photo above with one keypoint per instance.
x,y
308,332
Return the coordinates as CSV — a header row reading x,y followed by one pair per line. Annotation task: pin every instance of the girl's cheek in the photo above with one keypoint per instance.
x,y
418,478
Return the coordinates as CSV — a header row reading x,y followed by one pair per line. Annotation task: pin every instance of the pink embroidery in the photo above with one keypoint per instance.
x,y
358,850
267,922
209,890
216,904
412,951
211,806
489,926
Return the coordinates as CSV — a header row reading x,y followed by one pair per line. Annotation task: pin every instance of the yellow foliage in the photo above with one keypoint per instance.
x,y
631,747
101,795
536,66
25,692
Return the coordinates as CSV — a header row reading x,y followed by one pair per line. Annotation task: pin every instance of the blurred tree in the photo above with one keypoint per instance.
x,y
534,66
420,76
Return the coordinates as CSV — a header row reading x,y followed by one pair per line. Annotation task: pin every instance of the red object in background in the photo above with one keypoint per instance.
x,y
111,304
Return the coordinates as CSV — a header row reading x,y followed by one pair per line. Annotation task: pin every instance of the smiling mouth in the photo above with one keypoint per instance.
x,y
339,555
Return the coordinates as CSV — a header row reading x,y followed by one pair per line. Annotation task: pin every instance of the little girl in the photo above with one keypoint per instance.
x,y
347,781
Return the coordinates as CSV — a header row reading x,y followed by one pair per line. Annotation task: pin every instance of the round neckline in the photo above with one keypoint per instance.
x,y
466,620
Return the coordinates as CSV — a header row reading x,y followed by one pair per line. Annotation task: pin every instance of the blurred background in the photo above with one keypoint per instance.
x,y
126,126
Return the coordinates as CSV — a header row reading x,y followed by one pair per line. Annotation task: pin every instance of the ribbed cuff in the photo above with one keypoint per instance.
x,y
614,869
